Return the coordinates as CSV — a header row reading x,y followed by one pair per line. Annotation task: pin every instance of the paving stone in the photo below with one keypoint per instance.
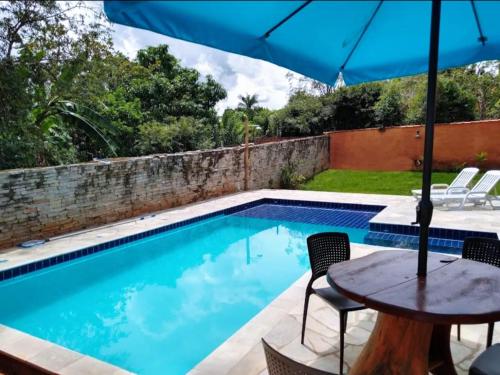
x,y
351,353
298,352
356,335
459,351
321,344
330,363
252,363
283,333
55,358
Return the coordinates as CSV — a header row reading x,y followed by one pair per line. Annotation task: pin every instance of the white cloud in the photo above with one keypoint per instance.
x,y
239,75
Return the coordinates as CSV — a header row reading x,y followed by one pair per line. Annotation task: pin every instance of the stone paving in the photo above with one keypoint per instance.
x,y
280,322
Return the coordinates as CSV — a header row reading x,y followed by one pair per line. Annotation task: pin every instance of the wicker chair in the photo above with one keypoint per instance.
x,y
278,364
326,249
485,250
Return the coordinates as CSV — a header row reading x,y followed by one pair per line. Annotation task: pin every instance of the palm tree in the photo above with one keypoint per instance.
x,y
248,103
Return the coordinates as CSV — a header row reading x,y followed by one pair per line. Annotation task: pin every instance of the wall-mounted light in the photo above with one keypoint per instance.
x,y
417,135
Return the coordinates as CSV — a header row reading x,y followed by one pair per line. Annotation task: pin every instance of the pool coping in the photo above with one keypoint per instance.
x,y
48,355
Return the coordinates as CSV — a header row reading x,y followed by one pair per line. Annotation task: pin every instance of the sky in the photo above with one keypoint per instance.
x,y
239,75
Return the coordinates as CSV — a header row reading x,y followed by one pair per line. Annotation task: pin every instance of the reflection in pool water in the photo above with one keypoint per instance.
x,y
161,304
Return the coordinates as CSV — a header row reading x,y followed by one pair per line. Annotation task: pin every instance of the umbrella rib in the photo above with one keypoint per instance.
x,y
481,38
268,32
362,34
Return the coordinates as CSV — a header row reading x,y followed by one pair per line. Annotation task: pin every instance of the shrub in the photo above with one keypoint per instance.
x,y
350,107
299,117
183,134
290,178
389,108
453,102
480,158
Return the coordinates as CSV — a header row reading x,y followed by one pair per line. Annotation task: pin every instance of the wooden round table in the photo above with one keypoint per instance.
x,y
412,332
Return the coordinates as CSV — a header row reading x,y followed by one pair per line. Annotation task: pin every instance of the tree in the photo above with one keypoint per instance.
x,y
454,103
263,119
301,116
180,135
483,82
44,47
389,109
232,127
67,96
350,107
248,104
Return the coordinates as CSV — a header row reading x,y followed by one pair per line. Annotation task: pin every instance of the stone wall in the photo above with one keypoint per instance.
x,y
43,202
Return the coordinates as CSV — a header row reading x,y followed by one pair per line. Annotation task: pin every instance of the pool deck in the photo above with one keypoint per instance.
x,y
280,321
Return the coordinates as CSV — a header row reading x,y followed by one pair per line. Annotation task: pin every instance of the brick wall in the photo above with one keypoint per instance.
x,y
398,148
43,202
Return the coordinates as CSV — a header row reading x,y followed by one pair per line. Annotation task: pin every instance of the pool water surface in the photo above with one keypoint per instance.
x,y
160,304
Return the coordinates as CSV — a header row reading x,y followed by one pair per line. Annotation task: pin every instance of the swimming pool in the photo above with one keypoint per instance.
x,y
162,300
160,304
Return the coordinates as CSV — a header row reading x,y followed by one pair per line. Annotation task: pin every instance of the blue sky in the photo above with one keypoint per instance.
x,y
238,74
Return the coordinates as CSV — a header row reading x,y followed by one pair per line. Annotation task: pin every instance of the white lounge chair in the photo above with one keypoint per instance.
x,y
458,185
478,195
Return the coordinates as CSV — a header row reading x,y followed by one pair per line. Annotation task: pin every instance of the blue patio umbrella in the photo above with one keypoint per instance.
x,y
360,40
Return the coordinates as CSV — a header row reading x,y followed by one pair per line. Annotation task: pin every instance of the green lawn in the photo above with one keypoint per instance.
x,y
397,183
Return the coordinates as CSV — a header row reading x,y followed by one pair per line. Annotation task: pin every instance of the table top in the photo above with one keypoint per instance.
x,y
454,291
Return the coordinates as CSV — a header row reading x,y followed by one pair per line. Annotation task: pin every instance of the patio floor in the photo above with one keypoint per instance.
x,y
280,322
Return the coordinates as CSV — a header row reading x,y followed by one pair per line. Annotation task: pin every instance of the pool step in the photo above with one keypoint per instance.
x,y
405,241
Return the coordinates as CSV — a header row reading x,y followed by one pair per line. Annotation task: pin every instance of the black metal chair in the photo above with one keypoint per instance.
x,y
326,249
485,250
278,364
488,362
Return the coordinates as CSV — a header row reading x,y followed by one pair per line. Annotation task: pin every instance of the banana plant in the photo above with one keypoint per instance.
x,y
60,111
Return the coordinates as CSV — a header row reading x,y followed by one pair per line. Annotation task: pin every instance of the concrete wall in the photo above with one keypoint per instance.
x,y
398,148
43,202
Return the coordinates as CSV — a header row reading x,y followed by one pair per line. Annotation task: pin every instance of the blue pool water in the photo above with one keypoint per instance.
x,y
159,305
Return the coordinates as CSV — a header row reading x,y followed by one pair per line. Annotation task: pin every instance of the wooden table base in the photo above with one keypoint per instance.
x,y
401,346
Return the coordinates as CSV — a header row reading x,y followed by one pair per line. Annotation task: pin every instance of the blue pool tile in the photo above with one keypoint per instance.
x,y
312,215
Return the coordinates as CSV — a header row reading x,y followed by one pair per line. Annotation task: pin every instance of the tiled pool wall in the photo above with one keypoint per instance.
x,y
407,237
403,236
351,217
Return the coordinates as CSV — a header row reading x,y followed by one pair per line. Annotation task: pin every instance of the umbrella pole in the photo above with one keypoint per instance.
x,y
425,208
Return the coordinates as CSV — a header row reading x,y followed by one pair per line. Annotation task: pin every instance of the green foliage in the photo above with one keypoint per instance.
x,y
232,128
178,136
463,94
262,119
67,96
248,104
454,103
480,158
494,112
345,108
300,116
482,81
290,178
154,138
389,109
350,108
